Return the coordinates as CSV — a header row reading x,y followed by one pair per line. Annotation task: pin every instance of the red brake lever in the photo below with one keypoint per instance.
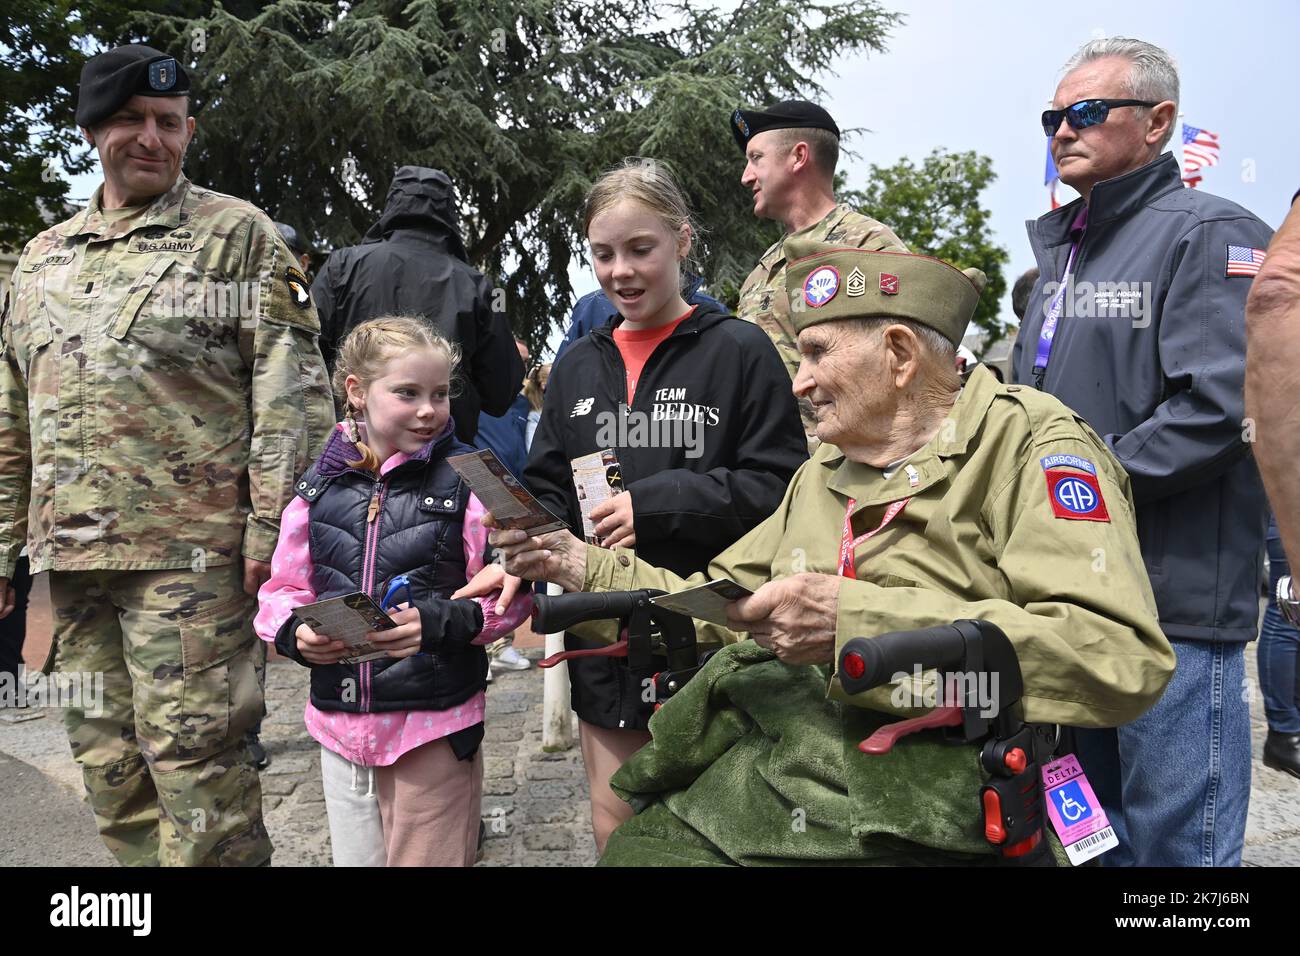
x,y
883,740
617,649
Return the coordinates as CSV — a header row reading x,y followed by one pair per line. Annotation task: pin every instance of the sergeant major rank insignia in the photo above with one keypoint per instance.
x,y
298,288
856,283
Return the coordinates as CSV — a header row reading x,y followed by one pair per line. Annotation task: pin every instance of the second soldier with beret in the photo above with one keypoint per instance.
x,y
791,150
160,387
926,503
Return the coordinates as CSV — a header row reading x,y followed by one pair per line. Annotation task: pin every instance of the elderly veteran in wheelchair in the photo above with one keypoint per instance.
x,y
927,503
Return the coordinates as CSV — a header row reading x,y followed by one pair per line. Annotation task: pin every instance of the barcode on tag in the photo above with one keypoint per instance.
x,y
1094,844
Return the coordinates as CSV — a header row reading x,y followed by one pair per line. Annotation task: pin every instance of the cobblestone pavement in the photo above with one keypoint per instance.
x,y
534,804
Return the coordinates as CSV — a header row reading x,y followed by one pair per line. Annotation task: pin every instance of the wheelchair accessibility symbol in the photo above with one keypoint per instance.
x,y
1070,803
1076,494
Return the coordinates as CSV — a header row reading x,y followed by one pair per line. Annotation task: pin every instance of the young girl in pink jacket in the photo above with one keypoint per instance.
x,y
400,735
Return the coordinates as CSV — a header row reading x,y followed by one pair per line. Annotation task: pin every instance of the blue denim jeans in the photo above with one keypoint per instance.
x,y
1278,657
1175,783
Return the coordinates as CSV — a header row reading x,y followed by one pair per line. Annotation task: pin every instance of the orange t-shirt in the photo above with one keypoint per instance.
x,y
636,347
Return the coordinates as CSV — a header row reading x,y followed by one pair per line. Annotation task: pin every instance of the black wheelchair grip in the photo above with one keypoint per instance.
x,y
553,613
898,652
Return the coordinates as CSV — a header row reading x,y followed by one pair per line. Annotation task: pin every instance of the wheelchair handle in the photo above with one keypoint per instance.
x,y
867,662
559,612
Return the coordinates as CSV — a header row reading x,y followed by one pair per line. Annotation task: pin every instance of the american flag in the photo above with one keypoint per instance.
x,y
1200,149
1244,261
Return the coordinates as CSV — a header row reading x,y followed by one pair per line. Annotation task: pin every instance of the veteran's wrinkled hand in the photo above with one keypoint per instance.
x,y
794,617
556,556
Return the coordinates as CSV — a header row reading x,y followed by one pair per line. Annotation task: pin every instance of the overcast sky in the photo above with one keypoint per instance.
x,y
966,76
976,76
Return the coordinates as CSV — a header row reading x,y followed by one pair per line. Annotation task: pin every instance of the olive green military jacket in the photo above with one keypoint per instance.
x,y
763,298
980,538
160,387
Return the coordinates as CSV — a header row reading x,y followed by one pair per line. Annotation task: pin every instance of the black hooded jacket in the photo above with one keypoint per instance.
x,y
413,262
692,495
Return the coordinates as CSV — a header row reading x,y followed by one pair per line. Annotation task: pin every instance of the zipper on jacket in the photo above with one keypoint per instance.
x,y
651,362
368,572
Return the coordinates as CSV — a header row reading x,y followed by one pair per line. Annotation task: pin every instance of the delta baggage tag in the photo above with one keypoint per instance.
x,y
1075,811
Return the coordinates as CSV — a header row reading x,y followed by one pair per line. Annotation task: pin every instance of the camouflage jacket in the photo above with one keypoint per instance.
x,y
160,387
763,298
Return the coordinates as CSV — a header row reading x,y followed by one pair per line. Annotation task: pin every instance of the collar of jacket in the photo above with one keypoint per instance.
x,y
340,449
164,211
1115,198
866,483
705,316
776,252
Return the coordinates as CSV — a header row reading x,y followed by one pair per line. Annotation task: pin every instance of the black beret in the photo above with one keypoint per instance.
x,y
788,114
113,77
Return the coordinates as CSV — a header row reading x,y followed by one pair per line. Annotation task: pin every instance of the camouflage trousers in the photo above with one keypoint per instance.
x,y
163,758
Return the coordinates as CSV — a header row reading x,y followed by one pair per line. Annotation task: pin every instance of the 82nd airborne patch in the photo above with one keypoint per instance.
x,y
1074,496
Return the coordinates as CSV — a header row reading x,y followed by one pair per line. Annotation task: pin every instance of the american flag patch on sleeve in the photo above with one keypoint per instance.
x,y
1244,261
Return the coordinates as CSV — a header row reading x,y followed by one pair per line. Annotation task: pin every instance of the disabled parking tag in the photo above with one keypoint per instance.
x,y
1075,811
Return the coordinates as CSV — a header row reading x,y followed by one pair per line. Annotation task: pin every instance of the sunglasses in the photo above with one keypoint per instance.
x,y
1085,113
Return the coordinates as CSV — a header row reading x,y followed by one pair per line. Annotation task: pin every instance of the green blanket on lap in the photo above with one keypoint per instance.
x,y
752,764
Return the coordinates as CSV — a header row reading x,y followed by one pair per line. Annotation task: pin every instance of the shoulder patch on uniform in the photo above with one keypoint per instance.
x,y
298,287
1074,496
1068,461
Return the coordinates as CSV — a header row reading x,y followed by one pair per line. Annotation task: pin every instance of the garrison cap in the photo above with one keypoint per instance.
x,y
827,282
788,114
113,77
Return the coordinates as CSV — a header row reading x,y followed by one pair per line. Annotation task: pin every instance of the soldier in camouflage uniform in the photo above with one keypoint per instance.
x,y
791,149
160,387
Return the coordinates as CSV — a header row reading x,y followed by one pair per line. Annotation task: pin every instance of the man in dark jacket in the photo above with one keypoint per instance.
x,y
1136,323
413,262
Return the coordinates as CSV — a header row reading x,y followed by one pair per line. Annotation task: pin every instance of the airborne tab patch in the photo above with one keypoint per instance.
x,y
1068,461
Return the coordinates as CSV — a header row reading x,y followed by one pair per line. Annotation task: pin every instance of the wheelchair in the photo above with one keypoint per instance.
x,y
645,631
1011,750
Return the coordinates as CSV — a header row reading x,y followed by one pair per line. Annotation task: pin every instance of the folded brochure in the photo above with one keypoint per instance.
x,y
501,493
707,602
349,619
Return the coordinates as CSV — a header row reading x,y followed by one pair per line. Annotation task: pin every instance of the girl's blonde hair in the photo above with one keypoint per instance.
x,y
652,183
533,387
370,346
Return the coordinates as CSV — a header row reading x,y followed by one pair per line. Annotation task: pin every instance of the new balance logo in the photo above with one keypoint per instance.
x,y
582,407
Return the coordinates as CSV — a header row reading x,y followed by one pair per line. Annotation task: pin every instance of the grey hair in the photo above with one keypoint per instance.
x,y
1153,74
933,341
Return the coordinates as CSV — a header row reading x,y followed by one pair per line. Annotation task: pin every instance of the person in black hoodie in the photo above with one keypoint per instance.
x,y
698,410
413,262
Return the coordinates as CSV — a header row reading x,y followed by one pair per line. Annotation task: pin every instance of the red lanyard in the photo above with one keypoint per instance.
x,y
848,543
